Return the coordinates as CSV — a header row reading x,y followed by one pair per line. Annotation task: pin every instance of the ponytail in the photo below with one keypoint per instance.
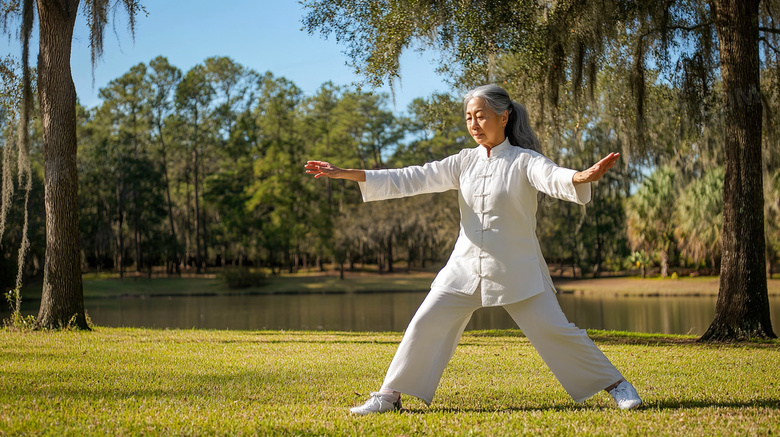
x,y
518,129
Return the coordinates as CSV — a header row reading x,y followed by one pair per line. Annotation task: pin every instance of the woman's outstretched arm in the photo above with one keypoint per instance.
x,y
321,168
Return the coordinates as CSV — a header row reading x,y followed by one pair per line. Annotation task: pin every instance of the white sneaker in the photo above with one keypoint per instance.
x,y
378,403
625,395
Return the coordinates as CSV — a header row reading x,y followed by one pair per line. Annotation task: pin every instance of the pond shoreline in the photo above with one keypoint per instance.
x,y
142,287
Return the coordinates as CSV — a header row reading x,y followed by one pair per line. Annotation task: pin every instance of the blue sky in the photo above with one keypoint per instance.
x,y
263,35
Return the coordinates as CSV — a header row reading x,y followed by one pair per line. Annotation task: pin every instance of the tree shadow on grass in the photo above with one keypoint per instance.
x,y
379,342
471,338
771,403
631,338
222,385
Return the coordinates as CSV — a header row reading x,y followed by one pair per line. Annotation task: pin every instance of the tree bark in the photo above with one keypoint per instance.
x,y
742,308
664,262
62,301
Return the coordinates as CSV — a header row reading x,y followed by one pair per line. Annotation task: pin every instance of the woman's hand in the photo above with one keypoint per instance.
x,y
322,168
596,171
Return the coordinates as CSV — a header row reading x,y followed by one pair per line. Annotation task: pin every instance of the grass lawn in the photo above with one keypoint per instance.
x,y
160,382
110,286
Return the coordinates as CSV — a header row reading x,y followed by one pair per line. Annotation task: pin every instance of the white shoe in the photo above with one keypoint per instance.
x,y
626,396
378,403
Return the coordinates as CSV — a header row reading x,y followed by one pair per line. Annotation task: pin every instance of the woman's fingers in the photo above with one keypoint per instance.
x,y
597,171
608,161
314,165
319,168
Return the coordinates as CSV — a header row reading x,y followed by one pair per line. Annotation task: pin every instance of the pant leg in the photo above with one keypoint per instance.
x,y
579,365
429,342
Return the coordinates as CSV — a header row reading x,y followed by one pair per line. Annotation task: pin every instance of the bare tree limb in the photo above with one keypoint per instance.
x,y
774,49
692,28
686,28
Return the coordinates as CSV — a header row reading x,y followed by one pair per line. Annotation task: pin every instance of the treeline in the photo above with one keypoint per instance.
x,y
205,168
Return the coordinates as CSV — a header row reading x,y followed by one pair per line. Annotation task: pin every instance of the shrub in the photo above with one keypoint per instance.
x,y
242,277
17,322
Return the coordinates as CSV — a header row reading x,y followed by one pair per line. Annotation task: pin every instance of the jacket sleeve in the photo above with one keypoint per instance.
x,y
555,181
433,177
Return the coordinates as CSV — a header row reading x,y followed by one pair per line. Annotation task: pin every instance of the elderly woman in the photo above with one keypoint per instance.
x,y
496,259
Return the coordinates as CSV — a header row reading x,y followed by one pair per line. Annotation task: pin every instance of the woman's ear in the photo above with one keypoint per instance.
x,y
505,118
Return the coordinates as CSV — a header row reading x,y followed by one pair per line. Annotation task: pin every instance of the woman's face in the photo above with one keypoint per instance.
x,y
485,126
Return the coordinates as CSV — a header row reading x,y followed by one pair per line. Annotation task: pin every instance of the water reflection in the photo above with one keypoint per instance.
x,y
392,312
668,315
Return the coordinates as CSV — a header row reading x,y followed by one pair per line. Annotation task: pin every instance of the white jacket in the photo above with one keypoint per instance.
x,y
497,246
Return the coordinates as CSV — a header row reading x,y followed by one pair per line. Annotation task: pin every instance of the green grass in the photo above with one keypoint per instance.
x,y
98,287
160,382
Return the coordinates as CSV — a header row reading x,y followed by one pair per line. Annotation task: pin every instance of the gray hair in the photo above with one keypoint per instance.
x,y
518,129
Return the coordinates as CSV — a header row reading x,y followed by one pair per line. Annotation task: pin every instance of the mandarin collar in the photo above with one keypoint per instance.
x,y
495,150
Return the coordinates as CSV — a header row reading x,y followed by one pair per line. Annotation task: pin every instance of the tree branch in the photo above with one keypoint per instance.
x,y
766,41
769,30
691,28
686,28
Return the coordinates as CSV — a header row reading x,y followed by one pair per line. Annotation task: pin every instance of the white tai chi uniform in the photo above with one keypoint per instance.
x,y
496,261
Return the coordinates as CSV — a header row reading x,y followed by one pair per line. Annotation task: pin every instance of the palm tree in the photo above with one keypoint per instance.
x,y
650,211
62,301
699,218
640,259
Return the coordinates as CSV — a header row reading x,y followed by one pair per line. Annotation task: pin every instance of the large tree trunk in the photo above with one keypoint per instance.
x,y
742,309
62,300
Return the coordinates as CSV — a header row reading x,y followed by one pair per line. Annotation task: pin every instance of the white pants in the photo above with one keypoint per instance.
x,y
436,328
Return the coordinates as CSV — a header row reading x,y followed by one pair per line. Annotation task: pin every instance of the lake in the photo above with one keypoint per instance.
x,y
389,312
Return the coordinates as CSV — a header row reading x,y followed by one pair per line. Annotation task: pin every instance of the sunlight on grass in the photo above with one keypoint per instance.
x,y
136,381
